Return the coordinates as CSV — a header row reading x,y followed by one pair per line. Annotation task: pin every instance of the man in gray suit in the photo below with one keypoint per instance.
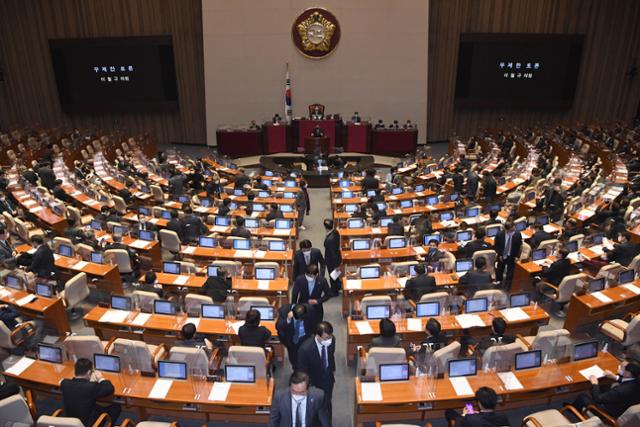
x,y
299,405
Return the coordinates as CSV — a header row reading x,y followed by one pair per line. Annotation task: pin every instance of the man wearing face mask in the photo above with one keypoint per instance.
x,y
316,357
294,326
299,405
307,255
434,255
143,224
311,289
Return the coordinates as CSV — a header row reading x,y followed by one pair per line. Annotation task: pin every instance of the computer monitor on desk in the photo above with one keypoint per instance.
x,y
360,244
212,311
106,362
49,353
251,223
267,312
397,243
476,305
542,220
147,235
462,367
164,307
464,265
393,372
265,273
538,254
428,309
472,212
572,246
382,311
121,303
212,271
65,250
44,290
528,360
519,300
13,282
431,200
206,242
277,245
222,221
245,374
97,257
597,285
463,236
429,237
586,350
241,244
169,267
172,370
626,276
282,224
355,223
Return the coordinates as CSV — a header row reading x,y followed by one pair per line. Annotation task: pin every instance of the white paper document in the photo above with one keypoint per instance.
x,y
219,391
371,392
633,288
243,253
114,316
601,297
461,386
259,254
25,300
189,249
354,284
514,314
335,274
510,381
20,366
419,250
80,265
376,230
141,319
281,232
414,324
219,228
594,370
139,244
263,285
160,388
180,280
469,321
364,328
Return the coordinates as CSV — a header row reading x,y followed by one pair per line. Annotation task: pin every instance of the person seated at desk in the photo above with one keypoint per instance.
x,y
241,180
311,289
419,285
10,268
305,256
317,132
490,187
191,226
570,229
260,185
396,228
493,217
251,333
274,212
624,251
434,255
558,269
7,205
435,338
150,284
6,248
295,324
487,400
370,182
213,187
379,125
356,118
59,193
539,236
478,244
143,225
620,396
8,316
498,336
189,338
376,213
475,280
42,261
239,230
387,337
225,208
360,212
80,394
103,215
72,232
217,287
117,244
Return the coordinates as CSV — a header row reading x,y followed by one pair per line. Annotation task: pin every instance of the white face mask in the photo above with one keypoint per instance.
x,y
298,397
306,252
326,343
310,278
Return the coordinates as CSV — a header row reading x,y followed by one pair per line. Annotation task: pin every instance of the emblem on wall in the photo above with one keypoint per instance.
x,y
316,33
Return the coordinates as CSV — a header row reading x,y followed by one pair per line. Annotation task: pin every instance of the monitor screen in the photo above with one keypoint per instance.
x,y
520,226
165,215
626,276
528,360
212,271
206,203
360,244
96,225
147,235
65,250
473,212
344,183
268,173
106,362
542,220
572,246
406,204
463,236
290,184
277,245
597,285
240,373
369,272
464,265
396,243
539,254
462,367
171,267
283,224
267,312
446,216
432,200
267,182
44,290
163,307
476,305
172,370
419,188
258,207
251,223
585,350
238,192
49,353
492,231
347,194
517,70
97,258
120,302
206,242
265,273
371,193
385,221
519,300
453,197
115,74
427,309
118,230
597,238
355,223
393,372
289,195
412,271
183,199
378,311
350,208
222,221
286,208
397,190
241,244
212,311
13,282
430,237
263,194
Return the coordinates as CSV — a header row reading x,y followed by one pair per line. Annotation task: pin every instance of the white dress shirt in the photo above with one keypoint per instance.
x,y
303,411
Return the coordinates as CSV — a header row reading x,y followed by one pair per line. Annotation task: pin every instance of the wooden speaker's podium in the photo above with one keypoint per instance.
x,y
316,145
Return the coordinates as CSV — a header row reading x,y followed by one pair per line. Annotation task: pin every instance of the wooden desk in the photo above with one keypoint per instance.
x,y
537,317
411,400
586,309
44,216
222,253
51,310
244,403
377,255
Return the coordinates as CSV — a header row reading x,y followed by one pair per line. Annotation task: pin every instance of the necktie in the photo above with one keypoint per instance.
x,y
298,414
325,361
507,245
306,258
296,331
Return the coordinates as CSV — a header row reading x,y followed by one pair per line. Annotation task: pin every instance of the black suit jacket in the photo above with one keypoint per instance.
x,y
623,253
473,281
370,183
47,177
556,271
490,188
332,255
216,288
321,293
7,205
240,232
79,398
472,247
300,266
42,262
483,419
285,328
6,250
538,237
617,399
315,411
256,336
395,229
472,184
192,227
418,286
309,361
174,225
516,244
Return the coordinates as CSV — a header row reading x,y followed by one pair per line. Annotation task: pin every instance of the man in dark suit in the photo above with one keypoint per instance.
x,y
174,223
508,244
294,325
332,255
176,185
478,244
260,185
617,399
623,252
472,183
47,177
217,287
224,209
7,205
539,236
490,187
316,358
72,232
487,400
305,256
42,261
59,193
143,225
148,284
558,269
498,336
252,333
420,285
433,255
554,203
274,212
6,249
241,180
370,182
30,176
396,228
299,401
309,288
388,337
191,226
475,280
79,395
458,180
239,230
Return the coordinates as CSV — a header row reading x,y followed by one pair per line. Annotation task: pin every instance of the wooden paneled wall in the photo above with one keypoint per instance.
x,y
28,94
604,93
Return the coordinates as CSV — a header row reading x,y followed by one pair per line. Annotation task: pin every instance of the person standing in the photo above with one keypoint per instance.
x,y
332,256
299,405
310,288
508,245
305,256
316,358
294,325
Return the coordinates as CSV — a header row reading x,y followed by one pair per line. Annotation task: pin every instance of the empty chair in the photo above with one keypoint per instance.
x,y
246,355
448,261
77,215
119,204
402,269
370,361
75,291
490,256
84,251
496,298
15,411
442,356
120,257
57,420
157,193
624,332
138,354
610,273
83,346
9,222
525,252
187,267
195,358
11,339
169,244
577,238
557,418
635,264
233,268
562,293
144,300
386,239
441,297
25,231
57,241
554,344
549,245
373,300
245,304
501,357
268,264
193,303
